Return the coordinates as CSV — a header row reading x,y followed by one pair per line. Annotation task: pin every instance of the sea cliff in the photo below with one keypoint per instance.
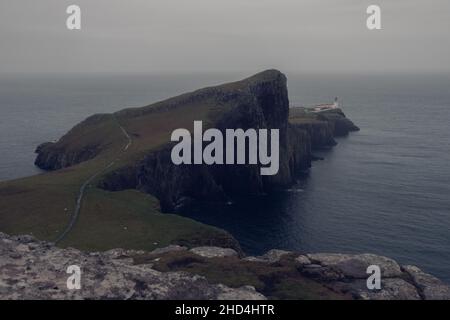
x,y
258,102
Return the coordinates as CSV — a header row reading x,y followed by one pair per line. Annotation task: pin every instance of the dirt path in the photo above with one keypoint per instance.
x,y
76,211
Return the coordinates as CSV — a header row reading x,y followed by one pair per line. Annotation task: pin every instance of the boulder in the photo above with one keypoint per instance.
x,y
429,286
214,252
302,260
271,256
391,289
355,266
171,248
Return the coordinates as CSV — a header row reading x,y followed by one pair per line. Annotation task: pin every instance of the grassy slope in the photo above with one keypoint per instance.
x,y
41,205
131,220
300,116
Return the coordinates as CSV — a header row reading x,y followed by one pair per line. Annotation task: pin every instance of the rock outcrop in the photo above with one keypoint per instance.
x,y
339,123
214,252
49,158
322,127
347,273
31,269
72,149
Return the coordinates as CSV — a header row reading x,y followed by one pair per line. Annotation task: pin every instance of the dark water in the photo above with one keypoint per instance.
x,y
383,190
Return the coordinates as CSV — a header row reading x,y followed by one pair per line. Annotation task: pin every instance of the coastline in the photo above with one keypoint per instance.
x,y
259,101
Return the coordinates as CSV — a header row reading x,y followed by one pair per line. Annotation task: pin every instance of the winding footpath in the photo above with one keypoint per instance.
x,y
76,211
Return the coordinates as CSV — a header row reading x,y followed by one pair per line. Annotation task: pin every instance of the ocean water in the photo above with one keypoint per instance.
x,y
383,190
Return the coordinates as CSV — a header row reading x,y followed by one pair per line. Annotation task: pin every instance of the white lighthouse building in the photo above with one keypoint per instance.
x,y
336,103
325,107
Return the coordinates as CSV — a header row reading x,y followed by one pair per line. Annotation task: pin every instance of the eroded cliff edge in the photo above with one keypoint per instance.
x,y
258,102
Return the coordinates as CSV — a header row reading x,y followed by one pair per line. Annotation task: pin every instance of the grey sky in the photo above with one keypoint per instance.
x,y
224,35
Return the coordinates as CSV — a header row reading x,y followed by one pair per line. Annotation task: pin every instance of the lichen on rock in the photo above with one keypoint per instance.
x,y
32,269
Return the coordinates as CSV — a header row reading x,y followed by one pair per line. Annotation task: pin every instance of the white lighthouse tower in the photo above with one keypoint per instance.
x,y
336,103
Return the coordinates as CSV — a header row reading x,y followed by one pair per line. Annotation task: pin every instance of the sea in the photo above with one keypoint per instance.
x,y
383,190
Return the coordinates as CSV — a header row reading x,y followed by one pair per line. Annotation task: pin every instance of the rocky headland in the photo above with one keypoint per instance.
x,y
258,102
117,164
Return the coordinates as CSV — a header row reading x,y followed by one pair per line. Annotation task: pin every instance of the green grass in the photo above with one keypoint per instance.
x,y
130,219
279,280
41,205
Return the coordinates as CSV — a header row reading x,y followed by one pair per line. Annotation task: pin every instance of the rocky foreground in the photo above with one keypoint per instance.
x,y
31,269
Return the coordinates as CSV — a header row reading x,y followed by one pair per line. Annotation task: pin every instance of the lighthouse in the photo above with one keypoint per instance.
x,y
336,103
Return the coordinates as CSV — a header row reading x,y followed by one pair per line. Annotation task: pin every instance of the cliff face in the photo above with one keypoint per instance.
x,y
339,124
320,133
51,158
259,102
75,148
322,127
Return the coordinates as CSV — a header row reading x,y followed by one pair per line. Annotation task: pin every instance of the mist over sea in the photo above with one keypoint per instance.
x,y
383,190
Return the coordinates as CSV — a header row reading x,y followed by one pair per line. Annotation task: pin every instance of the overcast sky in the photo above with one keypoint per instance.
x,y
158,36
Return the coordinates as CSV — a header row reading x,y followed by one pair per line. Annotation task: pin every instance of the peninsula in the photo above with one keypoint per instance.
x,y
110,183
